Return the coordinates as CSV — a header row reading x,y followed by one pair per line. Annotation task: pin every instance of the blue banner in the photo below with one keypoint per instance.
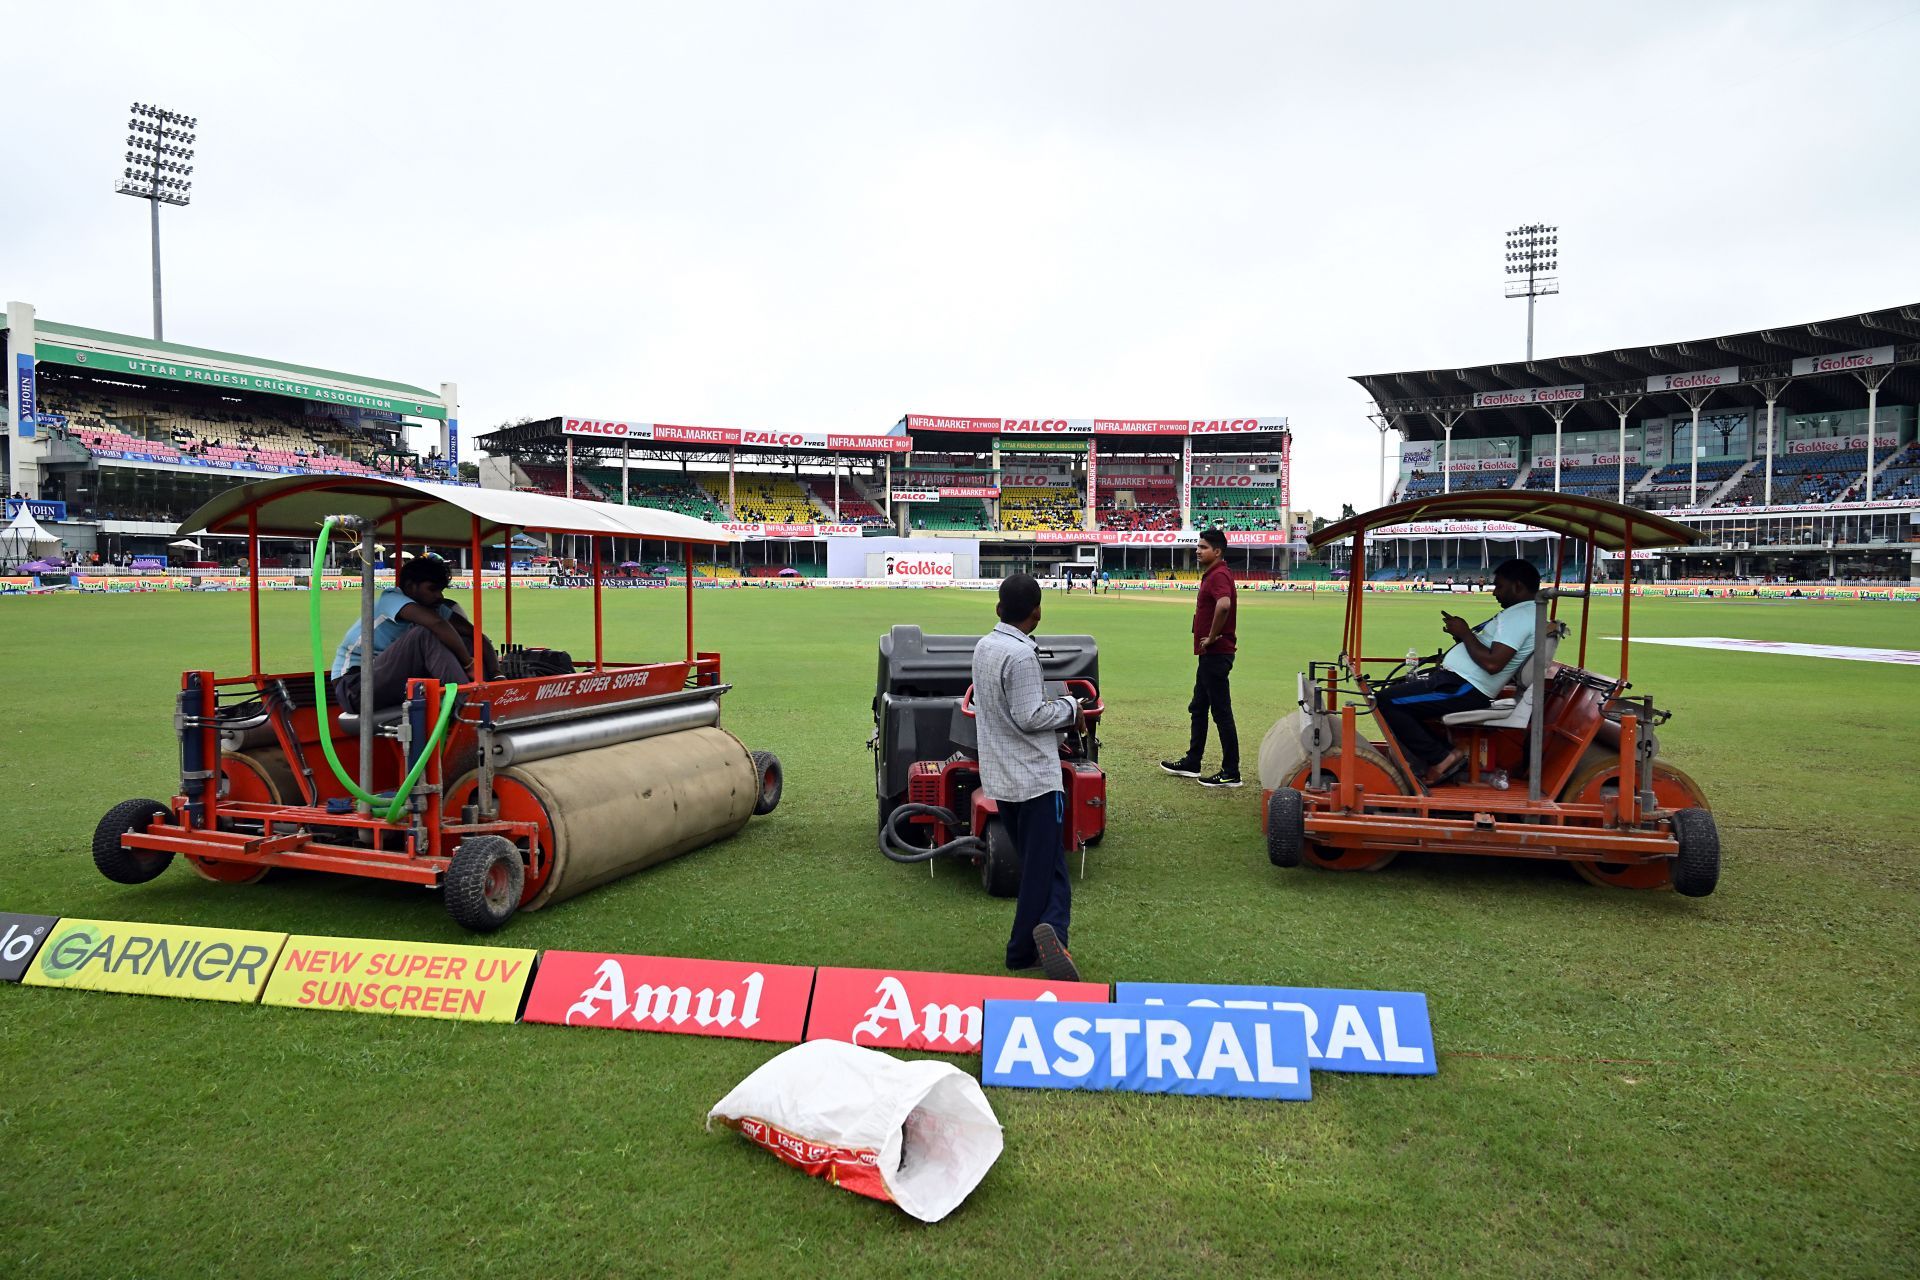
x,y
1234,1053
25,393
1376,1032
453,447
42,508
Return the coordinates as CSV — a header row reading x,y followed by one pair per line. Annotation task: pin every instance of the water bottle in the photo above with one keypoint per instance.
x,y
1413,659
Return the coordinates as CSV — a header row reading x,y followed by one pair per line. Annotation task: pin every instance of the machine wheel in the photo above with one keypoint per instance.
x,y
483,883
1600,782
1000,868
1286,828
260,777
115,861
1697,870
766,767
1376,772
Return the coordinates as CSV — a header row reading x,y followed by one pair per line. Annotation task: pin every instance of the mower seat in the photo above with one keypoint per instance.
x,y
385,719
1516,712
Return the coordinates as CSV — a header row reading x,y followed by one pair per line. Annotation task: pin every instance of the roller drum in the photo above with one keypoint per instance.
x,y
614,810
570,737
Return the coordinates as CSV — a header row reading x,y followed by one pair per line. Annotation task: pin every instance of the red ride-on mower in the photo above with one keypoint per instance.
x,y
926,754
505,793
1596,794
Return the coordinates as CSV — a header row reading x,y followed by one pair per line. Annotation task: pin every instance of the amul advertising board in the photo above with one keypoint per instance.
x,y
411,979
20,938
157,960
942,1012
659,993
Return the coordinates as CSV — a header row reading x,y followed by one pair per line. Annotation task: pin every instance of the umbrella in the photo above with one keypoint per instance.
x,y
43,566
661,570
186,543
631,564
788,571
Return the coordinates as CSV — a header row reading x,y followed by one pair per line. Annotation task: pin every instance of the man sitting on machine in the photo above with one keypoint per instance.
x,y
1470,675
418,634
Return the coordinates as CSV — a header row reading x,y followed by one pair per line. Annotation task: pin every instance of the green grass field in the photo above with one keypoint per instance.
x,y
1629,1083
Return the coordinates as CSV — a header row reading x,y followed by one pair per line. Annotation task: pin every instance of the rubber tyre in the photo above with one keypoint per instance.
x,y
1286,828
1697,870
483,883
1000,868
766,767
118,863
1328,857
1672,789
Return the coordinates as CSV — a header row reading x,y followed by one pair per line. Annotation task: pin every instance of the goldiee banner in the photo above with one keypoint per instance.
x,y
659,993
157,960
412,979
272,384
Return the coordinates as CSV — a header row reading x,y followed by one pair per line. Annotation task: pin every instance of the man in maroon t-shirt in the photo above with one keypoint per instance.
x,y
1213,644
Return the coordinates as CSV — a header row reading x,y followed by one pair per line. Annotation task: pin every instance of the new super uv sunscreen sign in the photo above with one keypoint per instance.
x,y
1373,1032
1238,1053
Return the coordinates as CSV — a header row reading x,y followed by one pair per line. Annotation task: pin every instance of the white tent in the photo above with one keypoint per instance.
x,y
24,538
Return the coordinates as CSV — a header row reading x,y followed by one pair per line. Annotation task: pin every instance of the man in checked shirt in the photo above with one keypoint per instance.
x,y
1020,768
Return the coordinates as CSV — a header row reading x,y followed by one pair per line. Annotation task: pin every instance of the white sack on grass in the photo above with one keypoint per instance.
x,y
918,1134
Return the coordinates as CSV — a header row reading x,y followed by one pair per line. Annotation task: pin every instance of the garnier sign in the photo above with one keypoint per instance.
x,y
180,371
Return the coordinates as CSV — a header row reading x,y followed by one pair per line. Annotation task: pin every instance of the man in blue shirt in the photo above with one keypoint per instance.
x,y
418,634
1470,674
1017,726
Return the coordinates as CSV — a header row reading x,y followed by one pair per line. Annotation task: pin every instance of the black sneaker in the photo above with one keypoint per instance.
x,y
1222,779
1180,768
1054,960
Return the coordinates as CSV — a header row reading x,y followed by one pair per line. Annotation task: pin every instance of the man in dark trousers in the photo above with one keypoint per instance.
x,y
1214,618
1017,726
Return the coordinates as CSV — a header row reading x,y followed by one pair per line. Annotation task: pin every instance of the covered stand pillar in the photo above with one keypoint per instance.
x,y
1871,380
1558,412
1772,391
1622,405
1694,400
1447,423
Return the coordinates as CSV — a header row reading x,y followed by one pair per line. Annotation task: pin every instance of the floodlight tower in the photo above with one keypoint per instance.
x,y
159,170
1532,252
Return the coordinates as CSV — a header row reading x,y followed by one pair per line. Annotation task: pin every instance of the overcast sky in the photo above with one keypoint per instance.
x,y
821,216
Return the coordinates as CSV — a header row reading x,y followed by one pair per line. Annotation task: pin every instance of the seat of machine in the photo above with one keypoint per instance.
x,y
383,718
1515,712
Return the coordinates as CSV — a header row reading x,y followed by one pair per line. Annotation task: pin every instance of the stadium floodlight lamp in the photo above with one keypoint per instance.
x,y
1533,254
161,143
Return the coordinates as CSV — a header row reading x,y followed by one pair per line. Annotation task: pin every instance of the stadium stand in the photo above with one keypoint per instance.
x,y
854,509
764,499
1024,508
1422,484
662,490
1241,509
1601,481
951,515
1901,477
553,480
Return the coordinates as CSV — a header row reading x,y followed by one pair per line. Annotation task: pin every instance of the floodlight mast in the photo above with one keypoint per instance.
x,y
159,170
1532,252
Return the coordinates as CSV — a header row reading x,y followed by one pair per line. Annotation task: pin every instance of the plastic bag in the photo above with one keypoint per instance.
x,y
917,1134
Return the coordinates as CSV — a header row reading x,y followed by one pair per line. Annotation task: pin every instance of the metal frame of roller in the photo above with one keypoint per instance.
x,y
518,793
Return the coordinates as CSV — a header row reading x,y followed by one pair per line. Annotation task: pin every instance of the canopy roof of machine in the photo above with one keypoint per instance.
x,y
1607,522
294,506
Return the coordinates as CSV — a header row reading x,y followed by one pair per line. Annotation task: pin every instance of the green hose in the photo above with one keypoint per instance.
x,y
448,698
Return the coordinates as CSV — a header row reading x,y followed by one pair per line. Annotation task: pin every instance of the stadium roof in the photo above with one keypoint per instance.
x,y
102,351
1810,366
